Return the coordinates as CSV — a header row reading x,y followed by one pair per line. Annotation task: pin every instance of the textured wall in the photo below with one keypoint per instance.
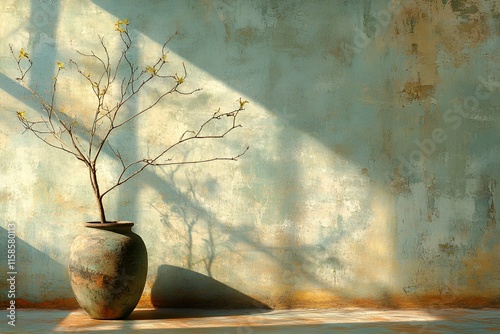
x,y
371,178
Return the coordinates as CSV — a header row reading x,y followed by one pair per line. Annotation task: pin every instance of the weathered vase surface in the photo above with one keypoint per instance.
x,y
108,267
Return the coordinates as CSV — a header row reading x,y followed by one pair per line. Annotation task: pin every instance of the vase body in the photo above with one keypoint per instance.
x,y
108,268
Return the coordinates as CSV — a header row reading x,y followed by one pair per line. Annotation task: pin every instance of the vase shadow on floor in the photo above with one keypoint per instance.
x,y
181,293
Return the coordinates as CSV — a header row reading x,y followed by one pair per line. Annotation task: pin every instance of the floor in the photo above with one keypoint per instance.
x,y
254,321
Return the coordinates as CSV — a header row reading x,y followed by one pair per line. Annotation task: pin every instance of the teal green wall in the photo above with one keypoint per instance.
x,y
374,155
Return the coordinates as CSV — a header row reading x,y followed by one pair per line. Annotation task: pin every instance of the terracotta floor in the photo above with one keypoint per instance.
x,y
253,321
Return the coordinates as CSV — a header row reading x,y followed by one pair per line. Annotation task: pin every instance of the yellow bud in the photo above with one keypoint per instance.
x,y
23,54
118,25
21,114
179,80
151,70
242,103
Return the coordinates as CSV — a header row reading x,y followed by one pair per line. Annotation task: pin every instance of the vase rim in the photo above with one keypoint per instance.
x,y
117,223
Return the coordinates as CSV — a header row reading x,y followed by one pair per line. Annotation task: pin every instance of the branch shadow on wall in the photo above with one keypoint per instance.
x,y
200,240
